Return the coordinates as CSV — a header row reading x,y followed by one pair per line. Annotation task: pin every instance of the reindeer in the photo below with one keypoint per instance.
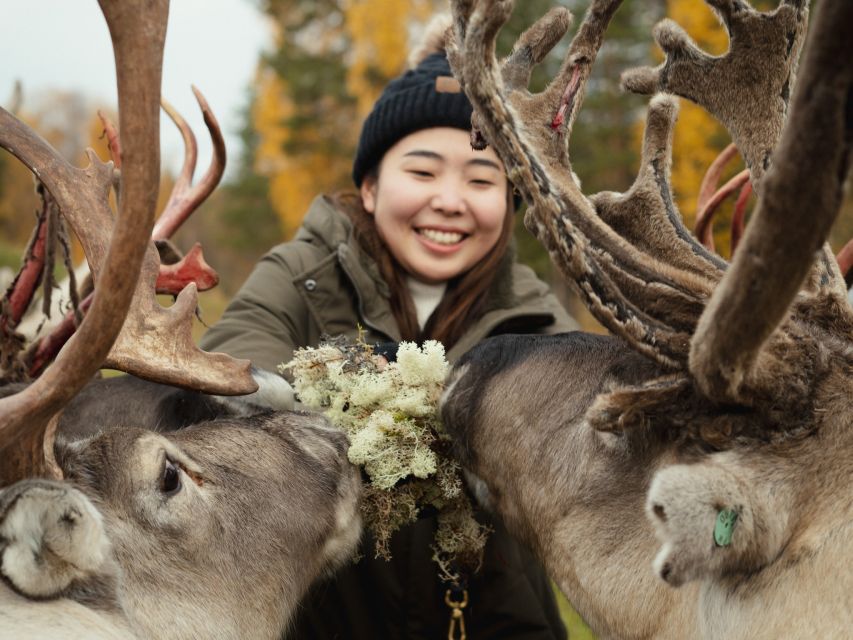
x,y
213,531
706,444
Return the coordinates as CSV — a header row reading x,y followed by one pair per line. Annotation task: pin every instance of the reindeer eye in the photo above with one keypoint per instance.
x,y
170,482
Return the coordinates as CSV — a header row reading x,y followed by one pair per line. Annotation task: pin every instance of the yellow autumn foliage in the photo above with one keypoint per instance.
x,y
294,180
380,42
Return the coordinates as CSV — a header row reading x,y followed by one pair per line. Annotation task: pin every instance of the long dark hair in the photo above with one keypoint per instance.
x,y
465,296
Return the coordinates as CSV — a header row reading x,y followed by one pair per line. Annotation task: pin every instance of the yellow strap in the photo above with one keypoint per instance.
x,y
457,617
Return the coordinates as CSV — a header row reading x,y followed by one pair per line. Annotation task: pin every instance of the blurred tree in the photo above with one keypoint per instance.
x,y
381,32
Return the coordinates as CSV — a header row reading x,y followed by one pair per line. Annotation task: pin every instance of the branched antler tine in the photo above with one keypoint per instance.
x,y
138,54
471,53
772,263
566,91
157,344
747,88
185,177
532,47
192,267
461,12
646,215
703,229
184,201
481,30
712,177
654,263
563,219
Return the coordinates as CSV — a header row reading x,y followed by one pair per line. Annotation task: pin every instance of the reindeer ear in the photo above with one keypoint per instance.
x,y
50,537
433,40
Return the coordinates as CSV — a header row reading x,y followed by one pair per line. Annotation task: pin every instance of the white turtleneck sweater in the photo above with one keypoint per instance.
x,y
426,298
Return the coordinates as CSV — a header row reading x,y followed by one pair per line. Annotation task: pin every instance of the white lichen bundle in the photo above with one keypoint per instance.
x,y
390,414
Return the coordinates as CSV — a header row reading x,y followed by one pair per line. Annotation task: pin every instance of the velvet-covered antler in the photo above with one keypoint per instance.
x,y
747,89
772,263
635,267
651,304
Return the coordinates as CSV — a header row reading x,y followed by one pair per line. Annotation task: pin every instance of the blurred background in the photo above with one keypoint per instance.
x,y
290,81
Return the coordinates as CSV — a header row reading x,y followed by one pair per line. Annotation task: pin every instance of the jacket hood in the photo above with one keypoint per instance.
x,y
324,226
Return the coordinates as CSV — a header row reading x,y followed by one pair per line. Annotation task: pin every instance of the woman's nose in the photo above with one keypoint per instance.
x,y
449,199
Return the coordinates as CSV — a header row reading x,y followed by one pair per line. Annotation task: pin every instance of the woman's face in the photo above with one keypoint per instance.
x,y
438,204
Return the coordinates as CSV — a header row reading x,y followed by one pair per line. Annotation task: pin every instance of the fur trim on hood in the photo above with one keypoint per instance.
x,y
433,39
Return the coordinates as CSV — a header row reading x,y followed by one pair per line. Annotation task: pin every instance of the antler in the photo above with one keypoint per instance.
x,y
651,304
157,343
637,269
177,274
185,198
82,197
138,54
772,263
747,88
708,208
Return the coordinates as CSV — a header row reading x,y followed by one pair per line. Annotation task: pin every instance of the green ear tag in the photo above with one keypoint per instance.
x,y
724,527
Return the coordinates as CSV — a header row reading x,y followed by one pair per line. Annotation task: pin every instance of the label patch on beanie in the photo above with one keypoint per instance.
x,y
447,84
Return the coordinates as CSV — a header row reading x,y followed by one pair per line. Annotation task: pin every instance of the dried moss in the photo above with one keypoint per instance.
x,y
389,411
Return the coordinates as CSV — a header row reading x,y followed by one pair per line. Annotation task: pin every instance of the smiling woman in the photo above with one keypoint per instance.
x,y
422,250
438,205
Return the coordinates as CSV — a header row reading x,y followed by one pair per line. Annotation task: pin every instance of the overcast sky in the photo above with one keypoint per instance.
x,y
64,44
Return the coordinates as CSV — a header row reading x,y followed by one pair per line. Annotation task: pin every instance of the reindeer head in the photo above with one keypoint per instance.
x,y
748,376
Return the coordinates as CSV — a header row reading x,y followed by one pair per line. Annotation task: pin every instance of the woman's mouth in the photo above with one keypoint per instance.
x,y
444,238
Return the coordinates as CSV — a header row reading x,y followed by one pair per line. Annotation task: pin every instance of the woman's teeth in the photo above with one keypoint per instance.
x,y
441,237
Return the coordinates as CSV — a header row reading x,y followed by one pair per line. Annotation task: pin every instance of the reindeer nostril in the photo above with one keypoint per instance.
x,y
660,512
666,571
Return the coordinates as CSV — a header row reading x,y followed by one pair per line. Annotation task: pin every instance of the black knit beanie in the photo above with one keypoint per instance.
x,y
424,97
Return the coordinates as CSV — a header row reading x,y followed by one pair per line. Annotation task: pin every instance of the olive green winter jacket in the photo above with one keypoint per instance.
x,y
323,283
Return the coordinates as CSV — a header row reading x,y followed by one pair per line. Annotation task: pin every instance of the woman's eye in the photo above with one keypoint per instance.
x,y
482,183
420,174
170,482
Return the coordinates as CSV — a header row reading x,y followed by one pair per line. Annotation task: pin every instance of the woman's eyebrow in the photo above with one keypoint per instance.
x,y
484,162
424,153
